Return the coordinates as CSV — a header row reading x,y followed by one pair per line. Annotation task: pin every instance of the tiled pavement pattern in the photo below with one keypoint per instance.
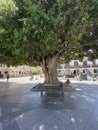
x,y
22,109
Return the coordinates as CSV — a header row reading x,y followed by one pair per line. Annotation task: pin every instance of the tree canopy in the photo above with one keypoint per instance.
x,y
36,31
33,29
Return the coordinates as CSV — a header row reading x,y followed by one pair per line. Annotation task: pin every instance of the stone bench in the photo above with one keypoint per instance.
x,y
51,87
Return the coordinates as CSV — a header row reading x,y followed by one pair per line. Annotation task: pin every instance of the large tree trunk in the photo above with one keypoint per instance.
x,y
49,67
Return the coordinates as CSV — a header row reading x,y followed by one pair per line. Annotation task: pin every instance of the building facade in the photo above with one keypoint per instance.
x,y
13,71
75,67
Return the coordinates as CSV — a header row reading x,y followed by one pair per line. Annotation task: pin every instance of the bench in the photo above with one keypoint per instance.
x,y
51,87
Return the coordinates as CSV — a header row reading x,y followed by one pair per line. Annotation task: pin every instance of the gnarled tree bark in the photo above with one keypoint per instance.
x,y
49,67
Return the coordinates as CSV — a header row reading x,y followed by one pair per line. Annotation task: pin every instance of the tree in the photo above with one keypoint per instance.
x,y
44,32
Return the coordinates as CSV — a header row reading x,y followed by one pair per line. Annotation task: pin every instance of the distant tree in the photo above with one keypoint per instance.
x,y
45,32
35,70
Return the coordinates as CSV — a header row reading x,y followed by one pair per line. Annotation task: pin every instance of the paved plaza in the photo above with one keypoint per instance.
x,y
23,109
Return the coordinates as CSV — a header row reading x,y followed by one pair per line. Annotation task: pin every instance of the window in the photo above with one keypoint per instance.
x,y
95,70
83,71
75,63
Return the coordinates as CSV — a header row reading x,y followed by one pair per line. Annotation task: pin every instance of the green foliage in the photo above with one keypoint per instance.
x,y
33,30
36,70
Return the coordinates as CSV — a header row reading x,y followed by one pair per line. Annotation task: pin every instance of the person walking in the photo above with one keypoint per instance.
x,y
7,76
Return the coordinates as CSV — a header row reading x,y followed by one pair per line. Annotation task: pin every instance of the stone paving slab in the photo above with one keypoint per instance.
x,y
1,127
21,109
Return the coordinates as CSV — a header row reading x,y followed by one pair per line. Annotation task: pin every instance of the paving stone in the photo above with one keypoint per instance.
x,y
1,126
92,123
21,109
0,111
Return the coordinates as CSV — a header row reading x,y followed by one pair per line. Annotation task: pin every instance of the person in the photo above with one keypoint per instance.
x,y
7,76
93,76
31,77
80,76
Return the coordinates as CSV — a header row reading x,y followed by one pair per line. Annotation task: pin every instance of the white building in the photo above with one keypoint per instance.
x,y
75,67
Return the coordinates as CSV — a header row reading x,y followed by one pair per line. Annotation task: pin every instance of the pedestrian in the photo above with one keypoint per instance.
x,y
80,76
93,76
7,76
31,77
